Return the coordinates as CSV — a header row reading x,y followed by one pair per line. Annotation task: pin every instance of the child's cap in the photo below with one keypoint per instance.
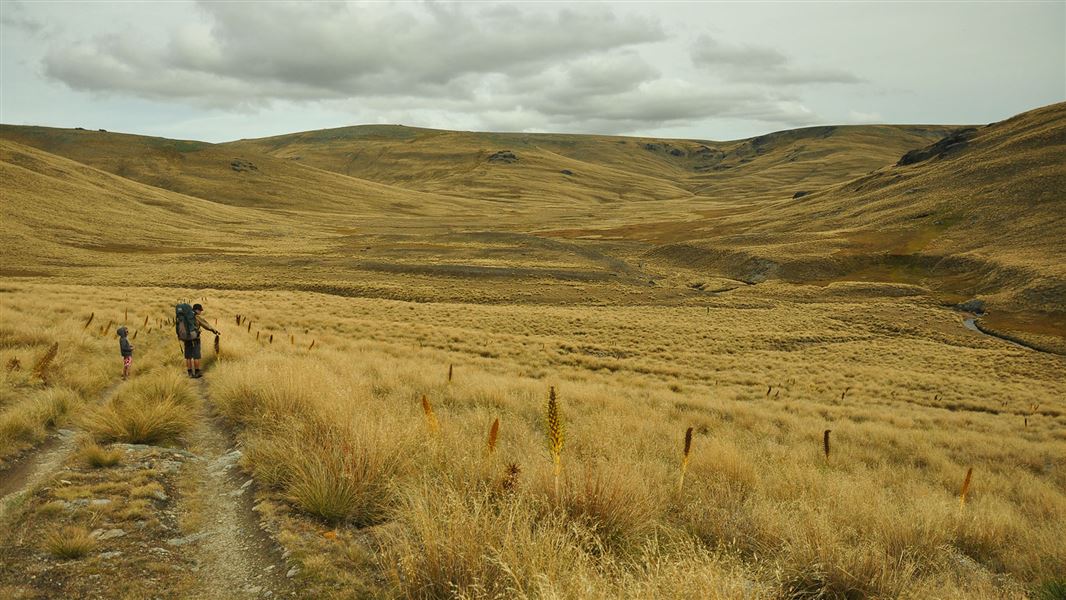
x,y
122,331
197,307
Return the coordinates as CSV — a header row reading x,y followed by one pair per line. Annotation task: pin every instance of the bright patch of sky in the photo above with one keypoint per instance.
x,y
218,71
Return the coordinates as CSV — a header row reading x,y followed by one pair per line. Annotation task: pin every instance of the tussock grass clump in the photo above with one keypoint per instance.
x,y
457,545
156,410
98,457
606,500
338,480
138,421
28,421
69,542
1052,589
17,428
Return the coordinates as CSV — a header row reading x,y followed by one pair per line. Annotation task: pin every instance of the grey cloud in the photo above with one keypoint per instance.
x,y
653,103
504,65
290,50
757,64
13,15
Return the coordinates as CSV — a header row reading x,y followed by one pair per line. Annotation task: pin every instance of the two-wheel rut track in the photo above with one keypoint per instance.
x,y
197,529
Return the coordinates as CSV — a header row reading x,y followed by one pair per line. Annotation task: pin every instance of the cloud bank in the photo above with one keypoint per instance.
x,y
505,66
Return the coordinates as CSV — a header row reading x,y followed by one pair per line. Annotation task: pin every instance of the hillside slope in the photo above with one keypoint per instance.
x,y
57,211
979,213
596,169
217,174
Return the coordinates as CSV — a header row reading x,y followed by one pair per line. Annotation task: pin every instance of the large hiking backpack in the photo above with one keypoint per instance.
x,y
185,323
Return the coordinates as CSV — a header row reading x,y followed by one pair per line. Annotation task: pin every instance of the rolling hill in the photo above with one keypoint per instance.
x,y
401,212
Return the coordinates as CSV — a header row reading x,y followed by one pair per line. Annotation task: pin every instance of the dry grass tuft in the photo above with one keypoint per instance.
x,y
825,443
605,501
140,422
97,457
338,481
70,542
158,410
89,321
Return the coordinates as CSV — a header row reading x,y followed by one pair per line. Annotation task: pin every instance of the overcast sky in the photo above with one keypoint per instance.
x,y
219,71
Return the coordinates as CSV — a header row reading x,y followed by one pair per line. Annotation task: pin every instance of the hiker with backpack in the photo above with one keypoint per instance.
x,y
188,322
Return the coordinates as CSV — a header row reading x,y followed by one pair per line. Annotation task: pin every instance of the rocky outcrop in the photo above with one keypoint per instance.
x,y
503,156
240,165
949,144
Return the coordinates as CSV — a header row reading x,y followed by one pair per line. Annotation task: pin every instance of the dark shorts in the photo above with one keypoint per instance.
x,y
192,349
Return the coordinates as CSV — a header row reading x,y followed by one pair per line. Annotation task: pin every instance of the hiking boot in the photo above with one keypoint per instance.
x,y
198,375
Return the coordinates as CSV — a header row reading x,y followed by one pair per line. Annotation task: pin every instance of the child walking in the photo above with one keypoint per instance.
x,y
126,348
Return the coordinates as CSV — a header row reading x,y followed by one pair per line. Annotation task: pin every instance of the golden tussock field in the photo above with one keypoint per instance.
x,y
713,391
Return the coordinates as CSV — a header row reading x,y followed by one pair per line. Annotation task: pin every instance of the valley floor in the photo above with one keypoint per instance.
x,y
340,447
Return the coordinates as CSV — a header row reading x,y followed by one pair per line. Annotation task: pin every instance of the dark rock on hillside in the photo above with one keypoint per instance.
x,y
955,141
566,172
705,152
503,156
799,194
663,147
240,165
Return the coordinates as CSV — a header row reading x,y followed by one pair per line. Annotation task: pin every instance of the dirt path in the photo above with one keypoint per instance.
x,y
26,474
237,558
40,462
